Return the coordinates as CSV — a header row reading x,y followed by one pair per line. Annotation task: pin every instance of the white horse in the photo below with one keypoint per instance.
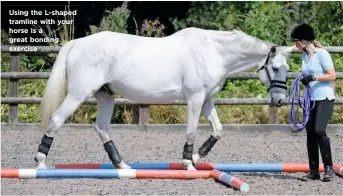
x,y
190,65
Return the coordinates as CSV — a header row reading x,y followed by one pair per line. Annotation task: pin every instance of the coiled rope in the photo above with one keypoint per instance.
x,y
296,101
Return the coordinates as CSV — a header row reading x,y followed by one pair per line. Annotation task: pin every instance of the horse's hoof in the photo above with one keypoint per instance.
x,y
40,160
187,164
41,166
123,165
191,168
195,158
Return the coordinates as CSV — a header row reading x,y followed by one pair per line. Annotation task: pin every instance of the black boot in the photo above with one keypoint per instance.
x,y
328,174
313,175
313,160
325,150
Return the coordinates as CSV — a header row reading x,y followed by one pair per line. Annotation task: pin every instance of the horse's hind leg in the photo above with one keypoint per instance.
x,y
67,108
210,113
105,104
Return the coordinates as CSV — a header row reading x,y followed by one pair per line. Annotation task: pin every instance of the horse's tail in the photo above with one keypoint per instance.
x,y
56,86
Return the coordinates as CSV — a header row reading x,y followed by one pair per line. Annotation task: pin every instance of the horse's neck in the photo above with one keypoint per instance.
x,y
240,52
241,64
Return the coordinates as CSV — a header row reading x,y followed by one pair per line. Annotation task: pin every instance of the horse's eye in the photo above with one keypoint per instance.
x,y
275,69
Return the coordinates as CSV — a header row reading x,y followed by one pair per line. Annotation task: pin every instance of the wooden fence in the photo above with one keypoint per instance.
x,y
13,100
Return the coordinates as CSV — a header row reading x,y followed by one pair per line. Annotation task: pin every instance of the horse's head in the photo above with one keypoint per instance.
x,y
273,73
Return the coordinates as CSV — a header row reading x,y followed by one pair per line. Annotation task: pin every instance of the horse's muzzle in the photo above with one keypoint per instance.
x,y
278,99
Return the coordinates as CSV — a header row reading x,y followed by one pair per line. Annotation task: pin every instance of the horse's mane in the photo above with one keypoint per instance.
x,y
237,38
249,43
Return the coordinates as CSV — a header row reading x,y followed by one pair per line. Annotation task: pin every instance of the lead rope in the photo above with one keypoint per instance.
x,y
295,124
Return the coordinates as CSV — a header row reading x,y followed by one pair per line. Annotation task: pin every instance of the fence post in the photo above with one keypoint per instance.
x,y
273,115
143,114
14,89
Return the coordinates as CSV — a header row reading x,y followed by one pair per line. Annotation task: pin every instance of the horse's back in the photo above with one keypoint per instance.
x,y
142,68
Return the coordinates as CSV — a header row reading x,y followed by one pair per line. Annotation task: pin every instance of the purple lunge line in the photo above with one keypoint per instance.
x,y
295,99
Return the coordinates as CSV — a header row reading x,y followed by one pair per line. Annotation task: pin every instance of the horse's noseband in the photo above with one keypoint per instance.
x,y
272,83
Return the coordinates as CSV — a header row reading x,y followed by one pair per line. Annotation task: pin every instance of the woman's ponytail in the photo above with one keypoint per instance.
x,y
317,44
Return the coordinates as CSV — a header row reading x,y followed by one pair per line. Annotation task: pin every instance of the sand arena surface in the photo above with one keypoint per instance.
x,y
18,148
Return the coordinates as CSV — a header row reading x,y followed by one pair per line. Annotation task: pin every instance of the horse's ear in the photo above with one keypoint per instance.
x,y
273,49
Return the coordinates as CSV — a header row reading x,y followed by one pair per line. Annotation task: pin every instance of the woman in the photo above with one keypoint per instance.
x,y
318,71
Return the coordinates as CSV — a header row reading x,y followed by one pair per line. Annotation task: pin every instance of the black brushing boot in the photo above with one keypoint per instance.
x,y
325,149
313,158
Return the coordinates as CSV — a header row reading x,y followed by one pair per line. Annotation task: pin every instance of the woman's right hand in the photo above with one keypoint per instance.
x,y
299,46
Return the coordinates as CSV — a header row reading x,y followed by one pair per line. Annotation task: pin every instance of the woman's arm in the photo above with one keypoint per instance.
x,y
329,76
328,66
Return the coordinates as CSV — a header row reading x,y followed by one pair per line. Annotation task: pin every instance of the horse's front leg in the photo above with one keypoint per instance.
x,y
102,126
210,113
194,105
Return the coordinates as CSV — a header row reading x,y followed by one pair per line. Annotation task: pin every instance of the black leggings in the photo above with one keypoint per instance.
x,y
319,118
316,133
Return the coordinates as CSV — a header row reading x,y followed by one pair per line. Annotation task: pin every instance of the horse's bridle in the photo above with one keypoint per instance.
x,y
272,83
